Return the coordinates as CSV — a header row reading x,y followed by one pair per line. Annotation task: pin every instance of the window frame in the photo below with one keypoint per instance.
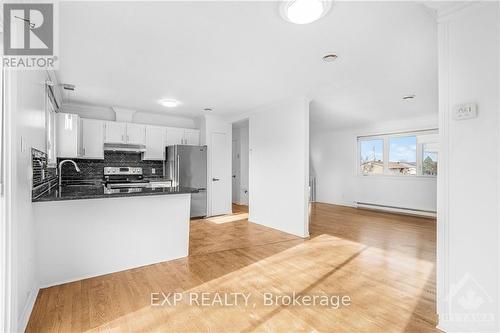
x,y
386,152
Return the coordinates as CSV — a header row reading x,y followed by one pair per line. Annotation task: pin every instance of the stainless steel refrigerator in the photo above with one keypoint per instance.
x,y
187,166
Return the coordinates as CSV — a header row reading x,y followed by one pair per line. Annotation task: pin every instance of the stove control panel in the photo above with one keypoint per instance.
x,y
122,171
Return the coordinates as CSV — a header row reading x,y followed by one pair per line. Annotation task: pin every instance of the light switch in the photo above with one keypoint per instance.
x,y
465,111
153,171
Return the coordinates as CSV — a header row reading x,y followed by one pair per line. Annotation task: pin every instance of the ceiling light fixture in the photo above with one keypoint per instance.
x,y
330,57
208,109
304,11
409,97
169,102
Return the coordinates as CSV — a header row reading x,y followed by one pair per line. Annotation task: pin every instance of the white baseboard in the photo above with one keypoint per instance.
x,y
399,210
28,308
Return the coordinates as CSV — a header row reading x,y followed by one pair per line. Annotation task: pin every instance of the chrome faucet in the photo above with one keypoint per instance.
x,y
60,169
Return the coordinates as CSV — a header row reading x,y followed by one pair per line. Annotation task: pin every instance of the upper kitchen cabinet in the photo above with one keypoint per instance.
x,y
175,136
115,132
192,137
68,135
155,143
136,134
92,138
182,136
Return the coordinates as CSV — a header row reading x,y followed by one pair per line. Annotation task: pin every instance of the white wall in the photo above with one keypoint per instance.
x,y
334,164
468,212
279,166
107,113
25,100
210,124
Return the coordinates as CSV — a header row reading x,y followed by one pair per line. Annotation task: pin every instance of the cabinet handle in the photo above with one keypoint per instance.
x,y
84,152
123,137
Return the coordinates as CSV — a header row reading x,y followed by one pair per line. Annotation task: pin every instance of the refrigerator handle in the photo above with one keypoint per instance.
x,y
178,169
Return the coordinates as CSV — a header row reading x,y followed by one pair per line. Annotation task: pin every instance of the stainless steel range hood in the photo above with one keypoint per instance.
x,y
124,147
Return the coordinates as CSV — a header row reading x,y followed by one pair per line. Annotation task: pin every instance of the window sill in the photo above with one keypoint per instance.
x,y
411,177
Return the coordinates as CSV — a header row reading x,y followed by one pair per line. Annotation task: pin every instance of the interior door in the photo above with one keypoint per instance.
x,y
115,132
92,138
136,134
175,136
220,190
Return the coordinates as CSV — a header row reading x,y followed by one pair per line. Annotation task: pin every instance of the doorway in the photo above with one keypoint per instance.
x,y
240,158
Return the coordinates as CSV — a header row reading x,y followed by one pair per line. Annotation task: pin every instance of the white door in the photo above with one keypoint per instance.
x,y
92,138
221,171
175,136
115,132
136,134
235,164
155,143
192,137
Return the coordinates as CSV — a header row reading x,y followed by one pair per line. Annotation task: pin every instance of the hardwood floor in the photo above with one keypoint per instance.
x,y
384,262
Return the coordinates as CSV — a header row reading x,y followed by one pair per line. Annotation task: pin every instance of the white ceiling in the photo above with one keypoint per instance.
x,y
235,56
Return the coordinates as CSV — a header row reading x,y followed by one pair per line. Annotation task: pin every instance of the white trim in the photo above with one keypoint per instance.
x,y
6,233
28,308
443,185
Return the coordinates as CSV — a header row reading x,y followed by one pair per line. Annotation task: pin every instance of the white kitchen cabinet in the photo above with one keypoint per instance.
x,y
92,139
182,136
192,137
115,132
68,135
175,136
155,143
136,134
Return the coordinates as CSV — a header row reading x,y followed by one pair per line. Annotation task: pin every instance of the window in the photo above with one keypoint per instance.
x,y
429,159
372,154
401,154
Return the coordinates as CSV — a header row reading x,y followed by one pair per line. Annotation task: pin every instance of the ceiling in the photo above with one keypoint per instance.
x,y
235,56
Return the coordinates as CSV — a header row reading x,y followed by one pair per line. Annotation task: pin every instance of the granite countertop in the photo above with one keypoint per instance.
x,y
99,191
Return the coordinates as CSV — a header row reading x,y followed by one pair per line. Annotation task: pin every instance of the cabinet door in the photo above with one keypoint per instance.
x,y
92,139
192,137
115,132
155,143
136,134
175,136
68,135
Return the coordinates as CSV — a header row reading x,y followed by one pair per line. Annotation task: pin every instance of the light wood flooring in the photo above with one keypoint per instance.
x,y
384,262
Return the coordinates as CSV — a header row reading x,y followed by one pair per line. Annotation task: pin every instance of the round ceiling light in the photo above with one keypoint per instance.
x,y
304,11
169,102
208,109
330,57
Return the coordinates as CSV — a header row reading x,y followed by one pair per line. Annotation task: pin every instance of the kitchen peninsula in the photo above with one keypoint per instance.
x,y
84,232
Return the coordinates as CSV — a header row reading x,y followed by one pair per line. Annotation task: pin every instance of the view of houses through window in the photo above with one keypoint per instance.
x,y
414,154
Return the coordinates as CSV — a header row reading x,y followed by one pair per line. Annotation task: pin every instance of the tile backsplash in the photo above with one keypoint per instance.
x,y
43,176
93,169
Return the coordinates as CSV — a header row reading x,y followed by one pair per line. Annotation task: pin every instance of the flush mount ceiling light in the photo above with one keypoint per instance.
x,y
409,97
304,11
208,109
169,102
330,57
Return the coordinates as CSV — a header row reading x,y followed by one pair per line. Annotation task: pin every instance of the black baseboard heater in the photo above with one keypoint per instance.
x,y
395,209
